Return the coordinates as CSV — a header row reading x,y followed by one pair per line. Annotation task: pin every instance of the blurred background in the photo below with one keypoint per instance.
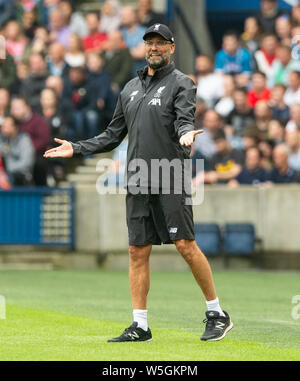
x,y
66,63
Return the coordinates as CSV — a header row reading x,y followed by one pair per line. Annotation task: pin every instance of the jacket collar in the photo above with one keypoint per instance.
x,y
159,73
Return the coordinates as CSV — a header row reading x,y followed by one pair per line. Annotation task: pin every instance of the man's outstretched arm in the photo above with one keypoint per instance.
x,y
106,141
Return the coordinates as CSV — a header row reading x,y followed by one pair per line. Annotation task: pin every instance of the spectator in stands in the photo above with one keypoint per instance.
x,y
33,85
279,109
265,56
292,94
239,119
56,60
266,150
282,173
75,54
110,16
282,66
212,122
74,19
50,111
292,140
18,152
296,15
7,71
59,30
226,163
22,75
133,34
98,75
47,8
283,28
262,115
252,172
210,85
259,90
226,104
294,122
147,16
39,44
232,58
15,40
4,103
251,37
250,138
95,41
29,24
276,132
55,82
118,61
23,7
79,102
267,15
39,132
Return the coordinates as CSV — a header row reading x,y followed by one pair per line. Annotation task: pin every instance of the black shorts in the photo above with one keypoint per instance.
x,y
155,219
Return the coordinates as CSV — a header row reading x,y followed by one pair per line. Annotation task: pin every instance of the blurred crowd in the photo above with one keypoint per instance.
x,y
61,78
248,103
64,70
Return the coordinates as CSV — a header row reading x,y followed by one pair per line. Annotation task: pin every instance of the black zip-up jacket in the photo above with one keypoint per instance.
x,y
155,117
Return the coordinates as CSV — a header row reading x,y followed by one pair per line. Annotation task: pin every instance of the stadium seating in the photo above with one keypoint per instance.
x,y
208,238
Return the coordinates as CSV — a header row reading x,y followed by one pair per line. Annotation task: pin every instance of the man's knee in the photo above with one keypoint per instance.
x,y
186,248
139,253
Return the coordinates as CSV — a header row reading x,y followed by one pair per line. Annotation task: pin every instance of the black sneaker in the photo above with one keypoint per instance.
x,y
216,326
133,333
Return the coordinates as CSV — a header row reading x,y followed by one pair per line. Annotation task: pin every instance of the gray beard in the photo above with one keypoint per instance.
x,y
157,65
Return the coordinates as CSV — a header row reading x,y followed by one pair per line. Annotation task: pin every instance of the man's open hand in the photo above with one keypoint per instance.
x,y
64,150
188,138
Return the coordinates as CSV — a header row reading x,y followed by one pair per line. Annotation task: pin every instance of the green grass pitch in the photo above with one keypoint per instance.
x,y
69,315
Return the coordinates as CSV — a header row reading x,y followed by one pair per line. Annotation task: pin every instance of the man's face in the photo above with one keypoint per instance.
x,y
203,65
221,145
259,82
19,109
268,5
230,44
240,99
158,51
252,159
294,80
92,22
211,120
280,157
8,127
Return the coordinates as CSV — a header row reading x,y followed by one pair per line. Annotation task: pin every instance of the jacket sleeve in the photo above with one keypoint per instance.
x,y
107,140
185,105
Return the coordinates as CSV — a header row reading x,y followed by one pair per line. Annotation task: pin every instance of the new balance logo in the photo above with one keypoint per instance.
x,y
155,102
173,230
220,325
156,27
133,335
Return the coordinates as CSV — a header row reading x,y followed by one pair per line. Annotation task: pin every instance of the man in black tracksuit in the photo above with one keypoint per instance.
x,y
156,110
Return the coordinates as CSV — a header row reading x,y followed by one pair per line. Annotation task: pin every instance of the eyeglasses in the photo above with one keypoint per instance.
x,y
159,43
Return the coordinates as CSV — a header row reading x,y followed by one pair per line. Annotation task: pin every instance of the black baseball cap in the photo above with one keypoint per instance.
x,y
160,29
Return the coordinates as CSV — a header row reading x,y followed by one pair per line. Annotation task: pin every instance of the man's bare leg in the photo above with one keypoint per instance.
x,y
199,266
139,275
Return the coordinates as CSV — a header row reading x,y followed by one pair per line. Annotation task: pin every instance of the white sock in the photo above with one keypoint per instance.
x,y
140,316
213,305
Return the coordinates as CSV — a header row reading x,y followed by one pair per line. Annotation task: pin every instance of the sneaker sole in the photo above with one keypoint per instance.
x,y
224,334
136,341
